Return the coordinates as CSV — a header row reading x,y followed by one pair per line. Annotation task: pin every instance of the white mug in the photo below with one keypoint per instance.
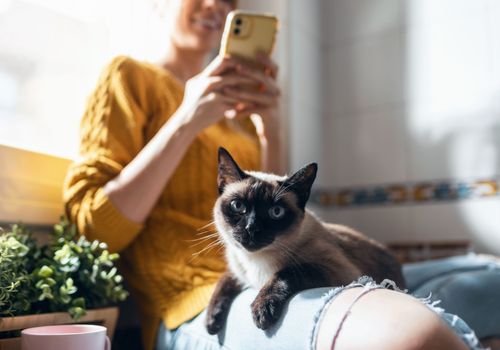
x,y
65,337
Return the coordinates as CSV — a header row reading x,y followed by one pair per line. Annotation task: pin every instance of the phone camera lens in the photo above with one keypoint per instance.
x,y
236,31
238,21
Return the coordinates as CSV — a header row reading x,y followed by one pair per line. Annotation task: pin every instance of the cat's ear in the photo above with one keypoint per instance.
x,y
229,171
301,182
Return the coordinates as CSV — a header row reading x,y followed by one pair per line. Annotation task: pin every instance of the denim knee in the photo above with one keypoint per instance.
x,y
472,295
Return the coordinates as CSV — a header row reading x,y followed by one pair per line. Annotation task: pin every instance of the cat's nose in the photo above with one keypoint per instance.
x,y
252,228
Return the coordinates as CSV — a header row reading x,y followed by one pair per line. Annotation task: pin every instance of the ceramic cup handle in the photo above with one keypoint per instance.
x,y
108,344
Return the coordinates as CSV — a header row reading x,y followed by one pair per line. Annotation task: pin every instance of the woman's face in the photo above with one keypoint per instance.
x,y
198,24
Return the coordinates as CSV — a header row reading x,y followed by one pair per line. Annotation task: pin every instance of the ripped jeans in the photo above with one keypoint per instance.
x,y
467,287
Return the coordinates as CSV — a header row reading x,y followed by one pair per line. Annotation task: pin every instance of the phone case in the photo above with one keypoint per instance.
x,y
247,33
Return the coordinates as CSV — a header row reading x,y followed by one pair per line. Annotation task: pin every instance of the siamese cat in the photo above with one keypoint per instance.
x,y
276,245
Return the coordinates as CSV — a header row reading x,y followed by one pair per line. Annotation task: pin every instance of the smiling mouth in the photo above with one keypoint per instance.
x,y
209,24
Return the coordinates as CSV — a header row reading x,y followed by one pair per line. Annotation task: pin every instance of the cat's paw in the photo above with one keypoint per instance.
x,y
214,321
266,310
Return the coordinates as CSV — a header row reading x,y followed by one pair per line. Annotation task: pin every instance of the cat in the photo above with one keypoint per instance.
x,y
276,245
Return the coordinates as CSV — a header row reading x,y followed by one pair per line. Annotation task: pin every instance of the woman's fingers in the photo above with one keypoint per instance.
x,y
259,99
245,85
220,97
221,65
220,82
271,68
266,83
265,64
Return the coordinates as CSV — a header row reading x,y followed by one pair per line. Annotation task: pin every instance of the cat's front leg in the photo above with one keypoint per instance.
x,y
268,305
226,290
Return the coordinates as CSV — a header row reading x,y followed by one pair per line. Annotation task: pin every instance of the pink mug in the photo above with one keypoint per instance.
x,y
65,337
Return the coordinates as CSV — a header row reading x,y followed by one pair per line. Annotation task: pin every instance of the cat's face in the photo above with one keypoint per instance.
x,y
256,210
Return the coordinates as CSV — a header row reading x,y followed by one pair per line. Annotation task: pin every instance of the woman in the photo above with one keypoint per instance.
x,y
145,184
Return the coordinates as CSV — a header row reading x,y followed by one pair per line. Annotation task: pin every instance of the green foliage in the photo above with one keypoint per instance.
x,y
16,249
68,274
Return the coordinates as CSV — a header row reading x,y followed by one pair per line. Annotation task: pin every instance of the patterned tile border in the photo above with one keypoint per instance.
x,y
406,193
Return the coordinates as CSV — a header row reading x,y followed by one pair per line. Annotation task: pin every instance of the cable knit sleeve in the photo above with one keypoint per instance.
x,y
111,136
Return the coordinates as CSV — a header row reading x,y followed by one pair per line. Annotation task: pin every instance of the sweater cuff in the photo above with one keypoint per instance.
x,y
110,225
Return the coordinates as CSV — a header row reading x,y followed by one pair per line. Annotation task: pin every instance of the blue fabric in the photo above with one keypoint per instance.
x,y
467,286
292,331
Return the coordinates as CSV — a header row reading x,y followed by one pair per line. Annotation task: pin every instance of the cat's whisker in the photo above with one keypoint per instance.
x,y
205,226
207,231
203,240
221,247
212,235
284,186
206,249
195,256
277,191
282,189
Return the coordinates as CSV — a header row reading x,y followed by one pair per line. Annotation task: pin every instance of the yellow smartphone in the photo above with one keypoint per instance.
x,y
247,33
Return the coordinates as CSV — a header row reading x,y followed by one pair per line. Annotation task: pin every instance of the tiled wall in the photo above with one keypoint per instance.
x,y
391,91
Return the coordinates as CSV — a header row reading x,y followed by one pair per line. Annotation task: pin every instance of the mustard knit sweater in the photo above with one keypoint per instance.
x,y
131,102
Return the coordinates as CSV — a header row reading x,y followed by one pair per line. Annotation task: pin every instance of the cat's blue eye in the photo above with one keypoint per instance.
x,y
276,212
238,206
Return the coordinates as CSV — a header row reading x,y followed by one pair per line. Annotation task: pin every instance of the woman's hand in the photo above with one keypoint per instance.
x,y
264,100
205,99
262,103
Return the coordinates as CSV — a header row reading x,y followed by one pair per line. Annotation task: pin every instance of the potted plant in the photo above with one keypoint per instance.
x,y
67,280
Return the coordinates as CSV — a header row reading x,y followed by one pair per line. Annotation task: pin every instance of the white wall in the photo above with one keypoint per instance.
x,y
51,54
305,83
411,93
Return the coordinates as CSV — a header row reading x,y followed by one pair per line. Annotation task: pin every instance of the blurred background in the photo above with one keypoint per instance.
x,y
398,101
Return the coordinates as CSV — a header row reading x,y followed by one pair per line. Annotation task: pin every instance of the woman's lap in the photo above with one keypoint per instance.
x,y
420,273
466,286
295,330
